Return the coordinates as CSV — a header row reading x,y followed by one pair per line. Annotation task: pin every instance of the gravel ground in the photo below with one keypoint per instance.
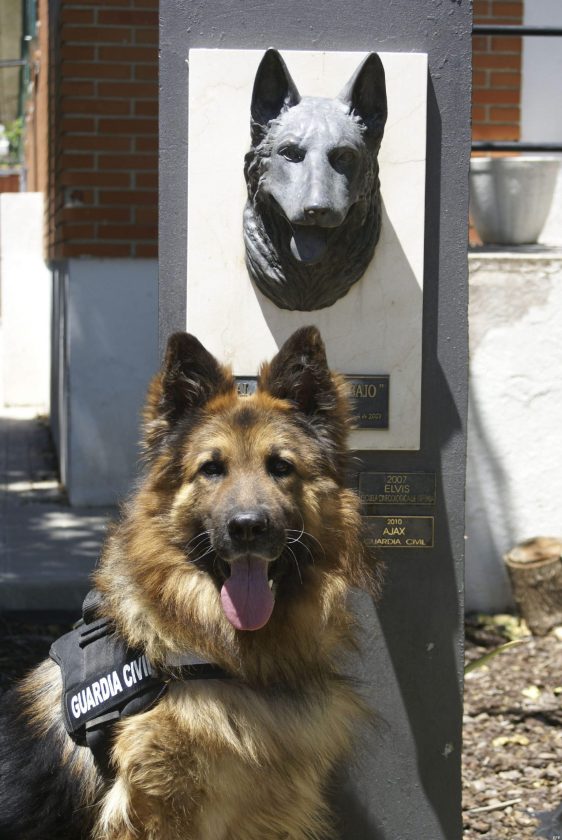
x,y
512,755
512,759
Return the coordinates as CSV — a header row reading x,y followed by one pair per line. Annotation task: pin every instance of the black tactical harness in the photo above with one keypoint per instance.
x,y
104,680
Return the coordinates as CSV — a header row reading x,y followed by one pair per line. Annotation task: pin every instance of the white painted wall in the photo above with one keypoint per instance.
x,y
108,339
218,284
26,301
541,105
541,96
514,479
514,475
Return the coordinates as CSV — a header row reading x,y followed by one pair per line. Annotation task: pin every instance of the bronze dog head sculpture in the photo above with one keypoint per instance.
x,y
313,214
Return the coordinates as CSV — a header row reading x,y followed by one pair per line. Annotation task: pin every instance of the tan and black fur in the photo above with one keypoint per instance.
x,y
228,478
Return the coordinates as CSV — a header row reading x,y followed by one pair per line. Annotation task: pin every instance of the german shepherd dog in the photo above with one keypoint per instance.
x,y
240,546
313,215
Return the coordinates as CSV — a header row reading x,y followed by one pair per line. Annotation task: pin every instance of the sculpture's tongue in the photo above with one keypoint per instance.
x,y
246,598
308,243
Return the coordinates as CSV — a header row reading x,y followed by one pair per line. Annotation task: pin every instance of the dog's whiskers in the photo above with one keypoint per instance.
x,y
298,539
290,550
201,542
304,533
317,541
206,553
200,537
302,530
294,531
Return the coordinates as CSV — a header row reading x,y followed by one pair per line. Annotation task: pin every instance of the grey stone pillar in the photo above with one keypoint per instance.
x,y
405,780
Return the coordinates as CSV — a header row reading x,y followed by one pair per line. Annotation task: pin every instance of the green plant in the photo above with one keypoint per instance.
x,y
483,660
14,133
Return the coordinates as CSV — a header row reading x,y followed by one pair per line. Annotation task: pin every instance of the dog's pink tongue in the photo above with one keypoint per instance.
x,y
246,598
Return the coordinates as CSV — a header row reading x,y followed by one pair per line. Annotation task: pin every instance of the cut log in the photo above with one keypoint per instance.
x,y
535,571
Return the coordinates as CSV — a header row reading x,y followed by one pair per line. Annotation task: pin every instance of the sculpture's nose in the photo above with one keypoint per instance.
x,y
317,212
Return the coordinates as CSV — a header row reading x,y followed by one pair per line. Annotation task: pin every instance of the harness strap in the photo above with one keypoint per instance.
x,y
99,739
104,680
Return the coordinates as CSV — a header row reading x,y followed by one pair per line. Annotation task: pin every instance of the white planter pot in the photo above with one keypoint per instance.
x,y
510,197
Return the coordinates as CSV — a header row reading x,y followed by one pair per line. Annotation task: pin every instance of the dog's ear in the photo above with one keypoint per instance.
x,y
299,373
274,91
189,378
365,94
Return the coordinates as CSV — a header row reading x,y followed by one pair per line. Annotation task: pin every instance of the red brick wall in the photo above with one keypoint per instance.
x,y
104,108
9,183
36,110
103,119
496,78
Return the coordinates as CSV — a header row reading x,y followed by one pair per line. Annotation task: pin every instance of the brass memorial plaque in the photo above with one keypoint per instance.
x,y
399,531
369,398
246,385
370,401
397,488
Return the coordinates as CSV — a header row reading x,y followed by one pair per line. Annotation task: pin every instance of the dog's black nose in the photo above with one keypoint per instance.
x,y
247,525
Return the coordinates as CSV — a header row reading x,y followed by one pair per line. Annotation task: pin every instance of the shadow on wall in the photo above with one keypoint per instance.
x,y
420,614
490,532
411,648
420,618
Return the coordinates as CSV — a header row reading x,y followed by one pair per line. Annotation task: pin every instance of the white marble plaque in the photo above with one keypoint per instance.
x,y
377,327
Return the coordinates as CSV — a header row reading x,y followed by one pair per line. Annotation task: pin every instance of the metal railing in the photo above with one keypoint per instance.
x,y
500,29
13,62
518,31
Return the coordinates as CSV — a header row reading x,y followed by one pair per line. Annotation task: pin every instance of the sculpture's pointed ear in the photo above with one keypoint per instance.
x,y
274,90
365,94
299,373
189,378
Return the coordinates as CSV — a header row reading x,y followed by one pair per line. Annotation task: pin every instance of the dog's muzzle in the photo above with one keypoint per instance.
x,y
249,546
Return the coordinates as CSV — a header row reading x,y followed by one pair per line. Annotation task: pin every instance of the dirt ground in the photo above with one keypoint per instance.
x,y
512,758
512,755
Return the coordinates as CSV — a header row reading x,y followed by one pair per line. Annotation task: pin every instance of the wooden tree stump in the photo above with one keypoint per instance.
x,y
535,571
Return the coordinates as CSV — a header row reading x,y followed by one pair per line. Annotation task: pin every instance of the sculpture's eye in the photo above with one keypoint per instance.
x,y
343,160
292,152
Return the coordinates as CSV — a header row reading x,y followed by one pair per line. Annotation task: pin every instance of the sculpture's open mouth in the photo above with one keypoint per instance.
x,y
309,242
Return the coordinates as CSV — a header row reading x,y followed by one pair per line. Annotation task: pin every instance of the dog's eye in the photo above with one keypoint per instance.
x,y
212,468
292,153
279,467
343,160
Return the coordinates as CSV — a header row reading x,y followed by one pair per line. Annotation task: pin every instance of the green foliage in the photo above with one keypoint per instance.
x,y
14,133
483,660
